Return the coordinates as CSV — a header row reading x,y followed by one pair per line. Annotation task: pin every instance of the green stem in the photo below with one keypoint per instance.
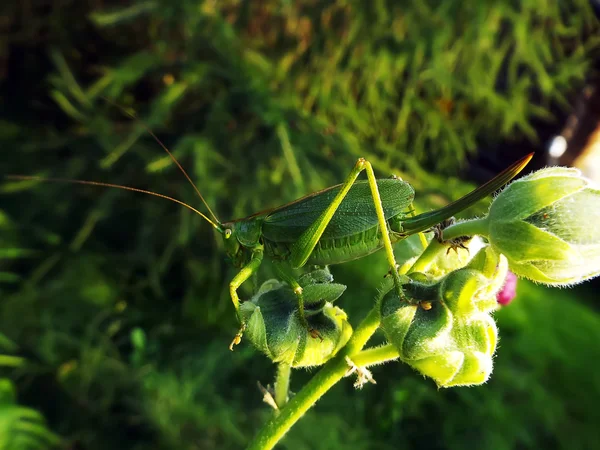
x,y
332,372
282,384
364,331
467,228
426,258
279,424
377,355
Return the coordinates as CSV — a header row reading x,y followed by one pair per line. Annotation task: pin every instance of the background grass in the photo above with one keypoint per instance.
x,y
118,304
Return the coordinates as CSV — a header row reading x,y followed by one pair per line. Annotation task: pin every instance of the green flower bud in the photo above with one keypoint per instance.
x,y
546,224
470,362
274,327
493,266
408,250
476,285
452,342
452,259
461,292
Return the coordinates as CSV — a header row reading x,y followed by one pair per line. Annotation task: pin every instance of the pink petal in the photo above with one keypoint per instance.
x,y
509,291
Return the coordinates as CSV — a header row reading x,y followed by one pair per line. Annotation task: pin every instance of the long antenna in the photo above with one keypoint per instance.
x,y
164,147
118,186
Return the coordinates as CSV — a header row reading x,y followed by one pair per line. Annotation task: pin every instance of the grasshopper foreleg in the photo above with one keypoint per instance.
x,y
246,272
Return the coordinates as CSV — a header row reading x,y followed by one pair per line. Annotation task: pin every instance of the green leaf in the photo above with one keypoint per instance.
x,y
123,15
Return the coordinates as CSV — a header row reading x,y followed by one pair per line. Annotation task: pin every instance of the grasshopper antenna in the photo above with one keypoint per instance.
x,y
164,147
118,186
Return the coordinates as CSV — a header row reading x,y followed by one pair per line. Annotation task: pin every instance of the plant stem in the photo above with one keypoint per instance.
x,y
282,384
364,331
377,355
279,424
426,258
332,372
467,228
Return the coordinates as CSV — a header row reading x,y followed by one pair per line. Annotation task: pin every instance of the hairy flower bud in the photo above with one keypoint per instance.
x,y
493,266
546,224
274,327
452,341
452,259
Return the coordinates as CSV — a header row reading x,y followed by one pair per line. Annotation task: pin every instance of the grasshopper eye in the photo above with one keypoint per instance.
x,y
227,233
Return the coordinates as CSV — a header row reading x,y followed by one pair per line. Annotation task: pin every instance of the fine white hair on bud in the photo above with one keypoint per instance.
x,y
547,224
453,341
274,326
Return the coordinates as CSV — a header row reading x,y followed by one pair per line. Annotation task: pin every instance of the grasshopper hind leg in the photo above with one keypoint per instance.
x,y
306,243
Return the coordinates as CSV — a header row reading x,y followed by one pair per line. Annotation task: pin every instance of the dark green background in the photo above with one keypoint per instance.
x,y
119,302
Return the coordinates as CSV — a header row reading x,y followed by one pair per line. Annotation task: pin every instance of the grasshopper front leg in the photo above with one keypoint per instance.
x,y
306,243
246,272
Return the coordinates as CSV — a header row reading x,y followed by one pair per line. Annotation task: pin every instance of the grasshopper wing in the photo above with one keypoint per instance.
x,y
355,214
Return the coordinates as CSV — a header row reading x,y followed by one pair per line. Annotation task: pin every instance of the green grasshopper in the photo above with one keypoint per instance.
x,y
332,226
337,225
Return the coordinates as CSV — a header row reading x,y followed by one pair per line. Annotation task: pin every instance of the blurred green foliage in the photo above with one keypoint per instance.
x,y
21,428
119,303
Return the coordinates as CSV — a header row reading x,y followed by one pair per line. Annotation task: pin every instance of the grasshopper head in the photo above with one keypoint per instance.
x,y
240,237
233,248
